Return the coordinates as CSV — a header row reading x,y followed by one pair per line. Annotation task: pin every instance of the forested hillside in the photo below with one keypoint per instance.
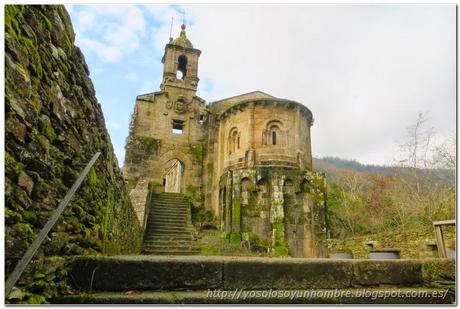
x,y
417,189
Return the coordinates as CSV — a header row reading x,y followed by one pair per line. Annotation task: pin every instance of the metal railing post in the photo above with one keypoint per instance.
x,y
25,260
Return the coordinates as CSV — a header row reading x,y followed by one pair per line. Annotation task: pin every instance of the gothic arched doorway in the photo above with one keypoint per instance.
x,y
174,170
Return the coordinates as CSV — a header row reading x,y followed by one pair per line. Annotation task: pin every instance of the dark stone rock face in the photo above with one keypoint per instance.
x,y
53,126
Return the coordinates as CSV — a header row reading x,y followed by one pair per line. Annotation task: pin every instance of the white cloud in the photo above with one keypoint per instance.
x,y
113,125
109,31
147,87
162,15
364,70
132,77
105,52
120,153
85,20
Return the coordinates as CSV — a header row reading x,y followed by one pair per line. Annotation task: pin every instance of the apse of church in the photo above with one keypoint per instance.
x,y
248,156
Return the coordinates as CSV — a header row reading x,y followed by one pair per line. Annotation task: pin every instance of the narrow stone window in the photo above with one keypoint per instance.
x,y
177,127
274,134
201,119
233,141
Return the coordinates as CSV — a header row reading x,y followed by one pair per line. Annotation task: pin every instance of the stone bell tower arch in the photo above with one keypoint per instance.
x,y
180,69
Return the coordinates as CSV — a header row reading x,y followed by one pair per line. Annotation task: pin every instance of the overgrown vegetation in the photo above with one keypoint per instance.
x,y
412,196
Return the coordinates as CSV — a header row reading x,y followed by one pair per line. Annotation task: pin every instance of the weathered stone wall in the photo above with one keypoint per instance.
x,y
279,209
223,147
413,243
53,126
251,125
151,144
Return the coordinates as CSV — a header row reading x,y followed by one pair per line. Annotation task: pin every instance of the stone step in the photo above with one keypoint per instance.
x,y
171,233
169,210
168,194
118,273
167,215
168,237
167,199
169,248
190,245
165,228
170,224
170,199
168,242
172,207
166,224
166,206
161,222
171,219
170,253
159,228
167,202
205,297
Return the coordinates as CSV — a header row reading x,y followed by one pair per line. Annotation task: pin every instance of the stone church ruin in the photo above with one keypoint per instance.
x,y
248,158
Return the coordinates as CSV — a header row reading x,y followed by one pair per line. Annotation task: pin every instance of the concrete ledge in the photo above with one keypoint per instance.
x,y
287,274
175,273
370,296
143,273
393,272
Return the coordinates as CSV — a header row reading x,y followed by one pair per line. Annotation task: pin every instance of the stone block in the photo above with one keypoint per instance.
x,y
394,272
120,273
287,274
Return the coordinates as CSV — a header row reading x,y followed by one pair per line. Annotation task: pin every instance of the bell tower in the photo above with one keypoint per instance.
x,y
180,60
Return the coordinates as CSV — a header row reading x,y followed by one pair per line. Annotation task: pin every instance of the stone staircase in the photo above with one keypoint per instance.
x,y
169,227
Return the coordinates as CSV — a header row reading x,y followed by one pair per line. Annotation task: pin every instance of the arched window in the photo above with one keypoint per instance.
x,y
182,67
274,134
233,140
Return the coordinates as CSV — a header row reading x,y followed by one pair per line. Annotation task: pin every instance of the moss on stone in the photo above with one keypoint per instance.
x,y
234,238
42,91
49,132
93,180
198,153
279,241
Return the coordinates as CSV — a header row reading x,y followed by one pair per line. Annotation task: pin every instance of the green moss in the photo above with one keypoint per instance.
x,y
280,251
25,228
236,214
131,184
203,217
234,238
13,14
279,245
210,167
12,217
49,132
11,165
198,153
148,145
93,180
48,22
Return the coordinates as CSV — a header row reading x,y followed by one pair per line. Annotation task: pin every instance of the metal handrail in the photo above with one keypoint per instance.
x,y
25,260
442,252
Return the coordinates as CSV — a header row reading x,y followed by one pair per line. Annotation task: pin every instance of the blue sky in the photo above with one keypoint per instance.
x,y
365,71
118,44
